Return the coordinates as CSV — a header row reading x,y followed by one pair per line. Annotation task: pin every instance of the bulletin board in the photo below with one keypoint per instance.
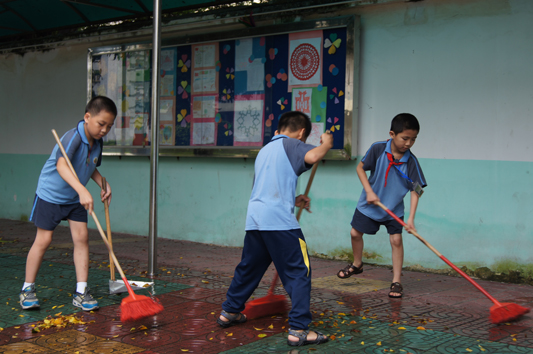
x,y
222,94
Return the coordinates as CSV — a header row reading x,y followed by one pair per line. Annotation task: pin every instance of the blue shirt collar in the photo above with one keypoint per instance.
x,y
405,156
81,131
279,136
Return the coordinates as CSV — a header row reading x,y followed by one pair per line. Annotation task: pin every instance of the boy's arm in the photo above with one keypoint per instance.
x,y
371,197
64,171
97,177
412,212
316,154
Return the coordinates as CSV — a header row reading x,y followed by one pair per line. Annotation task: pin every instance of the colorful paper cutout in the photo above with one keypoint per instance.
x,y
332,43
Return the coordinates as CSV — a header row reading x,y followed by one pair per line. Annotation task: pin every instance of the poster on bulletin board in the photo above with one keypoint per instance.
x,y
224,97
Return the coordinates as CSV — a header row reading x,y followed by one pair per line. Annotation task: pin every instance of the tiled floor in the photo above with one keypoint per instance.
x,y
438,314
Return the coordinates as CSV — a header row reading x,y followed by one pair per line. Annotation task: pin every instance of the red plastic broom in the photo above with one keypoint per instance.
x,y
133,307
272,304
500,312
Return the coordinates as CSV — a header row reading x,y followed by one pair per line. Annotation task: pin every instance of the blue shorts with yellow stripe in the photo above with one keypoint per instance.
x,y
288,250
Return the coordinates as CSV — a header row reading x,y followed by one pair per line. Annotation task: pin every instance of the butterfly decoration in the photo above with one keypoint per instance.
x,y
218,65
226,49
184,89
335,126
333,96
183,118
184,63
332,43
230,73
282,102
228,132
226,95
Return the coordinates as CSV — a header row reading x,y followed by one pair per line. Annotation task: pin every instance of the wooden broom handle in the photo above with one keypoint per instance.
x,y
108,227
302,206
65,156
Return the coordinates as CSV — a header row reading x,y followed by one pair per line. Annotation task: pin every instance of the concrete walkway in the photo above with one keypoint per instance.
x,y
438,314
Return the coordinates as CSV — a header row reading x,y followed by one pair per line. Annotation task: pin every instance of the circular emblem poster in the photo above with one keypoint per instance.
x,y
304,62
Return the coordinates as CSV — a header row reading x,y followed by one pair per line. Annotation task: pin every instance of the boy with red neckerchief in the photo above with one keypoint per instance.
x,y
394,171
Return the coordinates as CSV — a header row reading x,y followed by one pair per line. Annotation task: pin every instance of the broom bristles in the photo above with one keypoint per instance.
x,y
132,309
266,306
507,312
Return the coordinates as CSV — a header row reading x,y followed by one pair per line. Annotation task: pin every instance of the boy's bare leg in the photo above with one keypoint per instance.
x,y
396,243
80,238
36,253
357,248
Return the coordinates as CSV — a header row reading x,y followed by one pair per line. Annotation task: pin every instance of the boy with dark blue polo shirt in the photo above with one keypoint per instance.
x,y
61,196
394,171
272,231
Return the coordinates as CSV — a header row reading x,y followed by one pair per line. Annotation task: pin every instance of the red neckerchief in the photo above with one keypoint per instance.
x,y
391,163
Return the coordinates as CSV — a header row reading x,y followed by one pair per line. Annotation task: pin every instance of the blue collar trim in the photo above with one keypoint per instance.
x,y
81,131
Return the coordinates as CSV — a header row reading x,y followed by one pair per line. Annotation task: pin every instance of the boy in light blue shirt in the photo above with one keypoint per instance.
x,y
272,231
394,172
62,196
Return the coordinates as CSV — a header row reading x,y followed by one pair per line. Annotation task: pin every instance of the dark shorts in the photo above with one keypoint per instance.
x,y
47,215
364,224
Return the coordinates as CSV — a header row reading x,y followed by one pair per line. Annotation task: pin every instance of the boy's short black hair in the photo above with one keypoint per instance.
x,y
101,103
293,121
404,121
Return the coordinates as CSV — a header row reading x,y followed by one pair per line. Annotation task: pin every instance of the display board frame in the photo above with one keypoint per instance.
x,y
344,151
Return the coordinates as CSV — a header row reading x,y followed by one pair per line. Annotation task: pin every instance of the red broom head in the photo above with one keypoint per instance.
x,y
266,306
506,312
132,309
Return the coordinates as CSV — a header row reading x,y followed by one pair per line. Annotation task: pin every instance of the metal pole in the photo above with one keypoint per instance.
x,y
154,147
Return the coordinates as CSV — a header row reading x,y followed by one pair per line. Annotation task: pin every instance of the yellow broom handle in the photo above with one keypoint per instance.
x,y
108,227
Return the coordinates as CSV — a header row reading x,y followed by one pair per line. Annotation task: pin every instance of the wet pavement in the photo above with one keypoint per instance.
x,y
438,313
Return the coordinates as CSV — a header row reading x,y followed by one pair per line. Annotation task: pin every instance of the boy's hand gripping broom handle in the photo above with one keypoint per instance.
x,y
108,227
130,290
439,254
302,206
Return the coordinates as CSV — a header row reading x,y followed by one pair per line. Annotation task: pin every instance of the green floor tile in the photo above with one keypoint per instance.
x,y
55,284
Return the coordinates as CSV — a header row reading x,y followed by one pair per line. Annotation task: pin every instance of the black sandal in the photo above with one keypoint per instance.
x,y
232,319
350,270
302,338
396,288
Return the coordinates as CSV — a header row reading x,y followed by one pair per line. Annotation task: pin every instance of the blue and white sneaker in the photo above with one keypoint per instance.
x,y
85,301
28,298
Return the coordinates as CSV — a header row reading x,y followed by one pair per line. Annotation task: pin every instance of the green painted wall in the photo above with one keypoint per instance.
x,y
473,211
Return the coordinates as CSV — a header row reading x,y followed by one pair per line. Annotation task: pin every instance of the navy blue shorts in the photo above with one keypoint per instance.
x,y
364,224
47,215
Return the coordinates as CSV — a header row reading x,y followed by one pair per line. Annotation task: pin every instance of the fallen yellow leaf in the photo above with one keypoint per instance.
x,y
378,343
229,334
468,349
258,329
420,328
271,326
262,335
362,343
401,327
184,350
